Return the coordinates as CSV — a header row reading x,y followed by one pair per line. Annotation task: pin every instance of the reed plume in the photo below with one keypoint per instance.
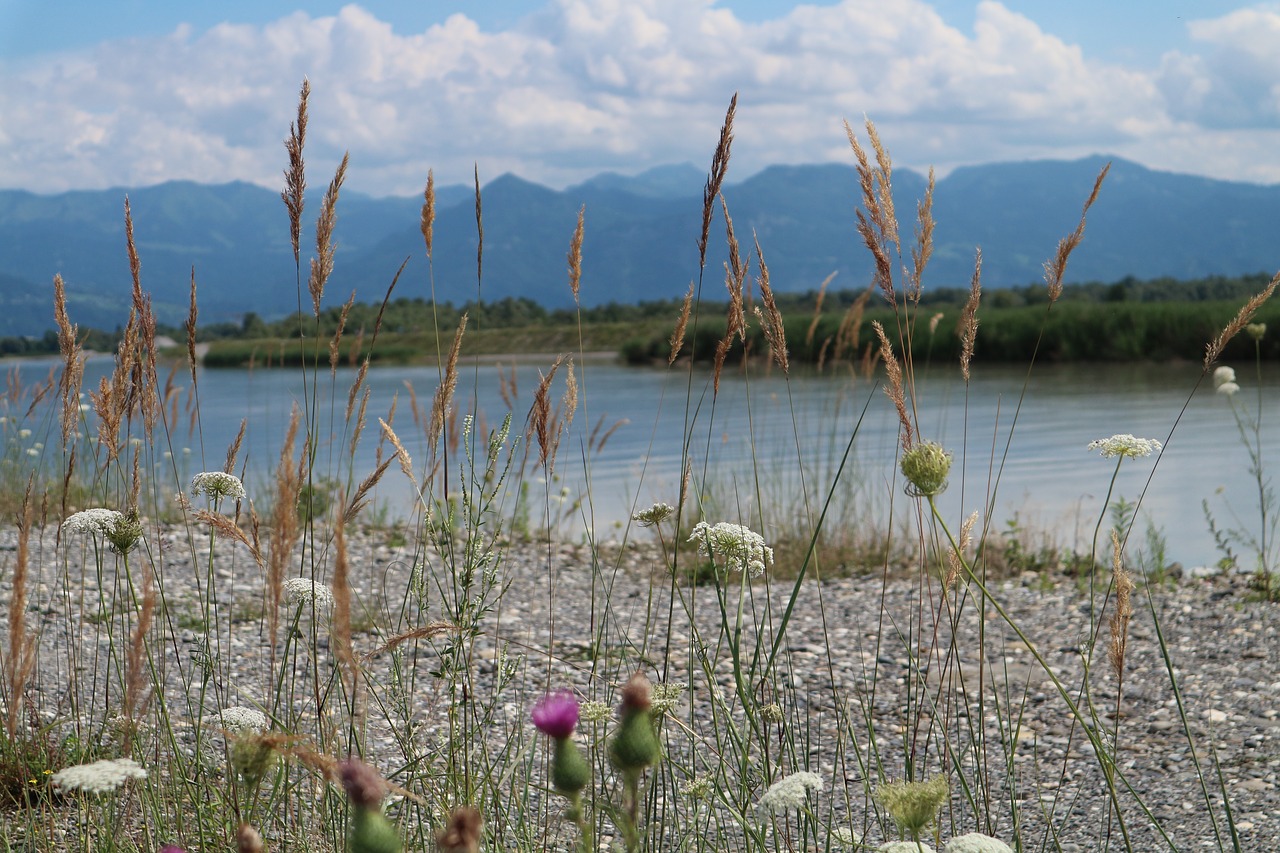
x,y
340,629
540,420
969,317
682,322
190,327
735,275
233,449
1123,609
575,256
719,166
479,233
402,455
771,318
336,342
1056,267
923,249
136,697
285,529
817,309
877,225
894,388
444,394
72,351
322,263
428,218
295,177
1214,349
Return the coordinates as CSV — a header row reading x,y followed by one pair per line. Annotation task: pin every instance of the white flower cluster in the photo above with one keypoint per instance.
x,y
665,698
98,777
217,485
789,792
905,847
845,838
238,719
654,514
1125,445
594,712
738,546
976,842
304,590
98,520
1224,381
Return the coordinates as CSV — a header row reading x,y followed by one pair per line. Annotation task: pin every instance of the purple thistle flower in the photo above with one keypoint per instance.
x,y
556,714
171,848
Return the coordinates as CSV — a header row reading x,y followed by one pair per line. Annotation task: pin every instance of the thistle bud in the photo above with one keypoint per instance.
x,y
635,746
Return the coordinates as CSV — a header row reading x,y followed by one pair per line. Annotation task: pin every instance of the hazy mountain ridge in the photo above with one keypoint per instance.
x,y
641,237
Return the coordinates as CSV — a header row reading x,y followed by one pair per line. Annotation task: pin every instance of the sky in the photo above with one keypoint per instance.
x,y
135,92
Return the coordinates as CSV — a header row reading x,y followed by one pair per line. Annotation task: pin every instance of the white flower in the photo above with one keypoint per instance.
x,y
654,514
24,433
698,788
217,485
665,697
237,719
304,590
905,847
98,777
97,520
1125,445
594,712
31,451
976,842
844,837
1223,375
1228,389
790,792
739,546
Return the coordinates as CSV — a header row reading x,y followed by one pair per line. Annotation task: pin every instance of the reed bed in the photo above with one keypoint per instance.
x,y
266,667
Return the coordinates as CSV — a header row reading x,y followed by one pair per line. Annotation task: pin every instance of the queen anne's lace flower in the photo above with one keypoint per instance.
x,y
739,547
97,520
1125,445
98,777
305,590
789,792
217,485
238,719
654,514
976,842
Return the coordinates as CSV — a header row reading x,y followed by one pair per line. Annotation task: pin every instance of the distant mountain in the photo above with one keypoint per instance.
x,y
641,237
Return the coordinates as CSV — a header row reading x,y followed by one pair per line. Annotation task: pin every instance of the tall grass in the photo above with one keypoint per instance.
x,y
290,674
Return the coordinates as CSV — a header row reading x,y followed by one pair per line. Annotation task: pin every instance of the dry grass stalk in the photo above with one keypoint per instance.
x,y
735,275
356,386
507,388
337,334
402,455
850,329
923,249
190,326
575,255
719,166
771,318
295,177
822,352
428,218
1124,608
817,310
877,226
540,418
72,378
969,317
682,323
361,496
227,527
360,419
340,630
423,632
136,696
568,407
20,662
599,439
1056,267
233,450
479,232
894,388
285,529
444,394
322,263
955,564
1213,351
135,486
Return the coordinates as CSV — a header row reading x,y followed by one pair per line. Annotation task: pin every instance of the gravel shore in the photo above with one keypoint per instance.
x,y
844,635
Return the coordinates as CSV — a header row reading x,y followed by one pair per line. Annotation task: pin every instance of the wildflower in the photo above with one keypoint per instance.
x,y
252,755
31,451
217,485
665,698
1125,445
299,591
771,713
905,847
97,520
1222,375
237,719
24,433
1257,331
555,715
126,532
913,805
976,842
654,514
98,777
790,792
635,746
594,712
369,831
739,546
1228,389
926,467
698,788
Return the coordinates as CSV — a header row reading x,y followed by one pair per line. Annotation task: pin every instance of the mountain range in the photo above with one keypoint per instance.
x,y
641,237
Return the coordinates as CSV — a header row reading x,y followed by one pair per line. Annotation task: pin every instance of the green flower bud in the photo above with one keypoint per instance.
x,y
913,805
635,746
926,467
1257,331
252,756
371,832
570,772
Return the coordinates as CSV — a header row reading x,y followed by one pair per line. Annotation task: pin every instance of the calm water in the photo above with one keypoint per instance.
x,y
1048,478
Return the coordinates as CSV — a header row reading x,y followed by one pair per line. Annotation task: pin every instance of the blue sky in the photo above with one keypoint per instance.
x,y
134,92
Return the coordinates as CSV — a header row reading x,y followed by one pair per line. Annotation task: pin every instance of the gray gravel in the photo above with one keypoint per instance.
x,y
844,661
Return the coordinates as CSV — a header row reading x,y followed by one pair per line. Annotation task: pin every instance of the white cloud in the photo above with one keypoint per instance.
x,y
587,85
